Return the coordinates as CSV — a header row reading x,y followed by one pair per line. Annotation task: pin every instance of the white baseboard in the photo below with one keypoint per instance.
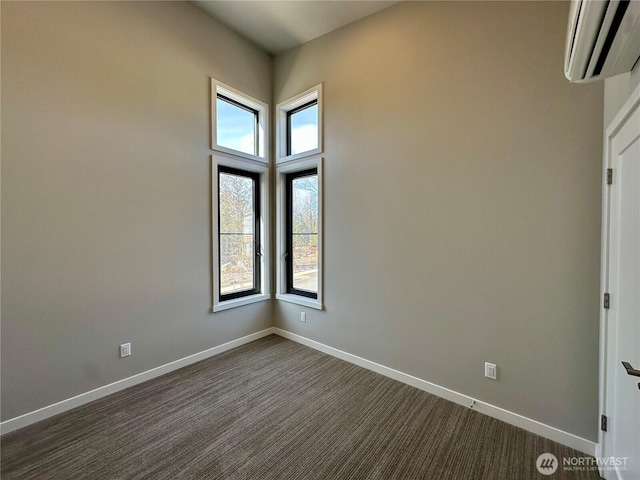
x,y
547,431
73,402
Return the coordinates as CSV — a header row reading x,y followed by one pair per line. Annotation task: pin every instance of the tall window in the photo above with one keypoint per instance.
x,y
299,180
240,181
302,233
238,232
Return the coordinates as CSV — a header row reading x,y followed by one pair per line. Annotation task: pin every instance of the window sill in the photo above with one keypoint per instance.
x,y
238,302
238,153
298,300
297,156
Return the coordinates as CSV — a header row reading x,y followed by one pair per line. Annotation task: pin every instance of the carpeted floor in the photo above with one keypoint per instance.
x,y
274,409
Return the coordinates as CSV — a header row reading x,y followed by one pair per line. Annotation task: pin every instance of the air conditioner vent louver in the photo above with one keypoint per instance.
x,y
603,39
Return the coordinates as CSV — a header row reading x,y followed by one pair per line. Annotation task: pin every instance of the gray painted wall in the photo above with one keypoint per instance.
x,y
462,202
106,191
462,197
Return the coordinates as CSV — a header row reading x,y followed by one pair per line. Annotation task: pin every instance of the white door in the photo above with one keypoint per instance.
x,y
622,319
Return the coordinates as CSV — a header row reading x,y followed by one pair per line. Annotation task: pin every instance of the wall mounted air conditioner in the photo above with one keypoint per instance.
x,y
603,39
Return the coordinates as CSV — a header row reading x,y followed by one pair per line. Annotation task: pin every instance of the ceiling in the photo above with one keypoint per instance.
x,y
277,26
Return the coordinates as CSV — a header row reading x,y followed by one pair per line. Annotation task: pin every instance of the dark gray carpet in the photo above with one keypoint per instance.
x,y
274,409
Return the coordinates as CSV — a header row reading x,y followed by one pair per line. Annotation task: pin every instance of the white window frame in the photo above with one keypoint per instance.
x,y
281,234
262,108
262,169
313,93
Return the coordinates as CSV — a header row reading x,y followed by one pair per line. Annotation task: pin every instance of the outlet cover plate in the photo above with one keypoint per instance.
x,y
490,371
125,350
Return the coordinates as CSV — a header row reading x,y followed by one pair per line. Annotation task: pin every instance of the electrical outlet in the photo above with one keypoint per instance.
x,y
490,371
125,350
303,316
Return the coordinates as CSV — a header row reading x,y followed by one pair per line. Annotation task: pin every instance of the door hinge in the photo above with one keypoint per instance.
x,y
609,176
607,300
603,423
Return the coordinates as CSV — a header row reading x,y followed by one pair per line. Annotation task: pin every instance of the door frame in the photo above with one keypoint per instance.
x,y
614,127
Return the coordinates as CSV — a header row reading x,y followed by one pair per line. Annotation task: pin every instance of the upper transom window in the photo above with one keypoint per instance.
x,y
239,123
302,128
299,125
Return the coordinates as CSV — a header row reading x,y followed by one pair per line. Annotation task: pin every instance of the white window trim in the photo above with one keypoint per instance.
x,y
281,239
314,93
233,161
263,120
